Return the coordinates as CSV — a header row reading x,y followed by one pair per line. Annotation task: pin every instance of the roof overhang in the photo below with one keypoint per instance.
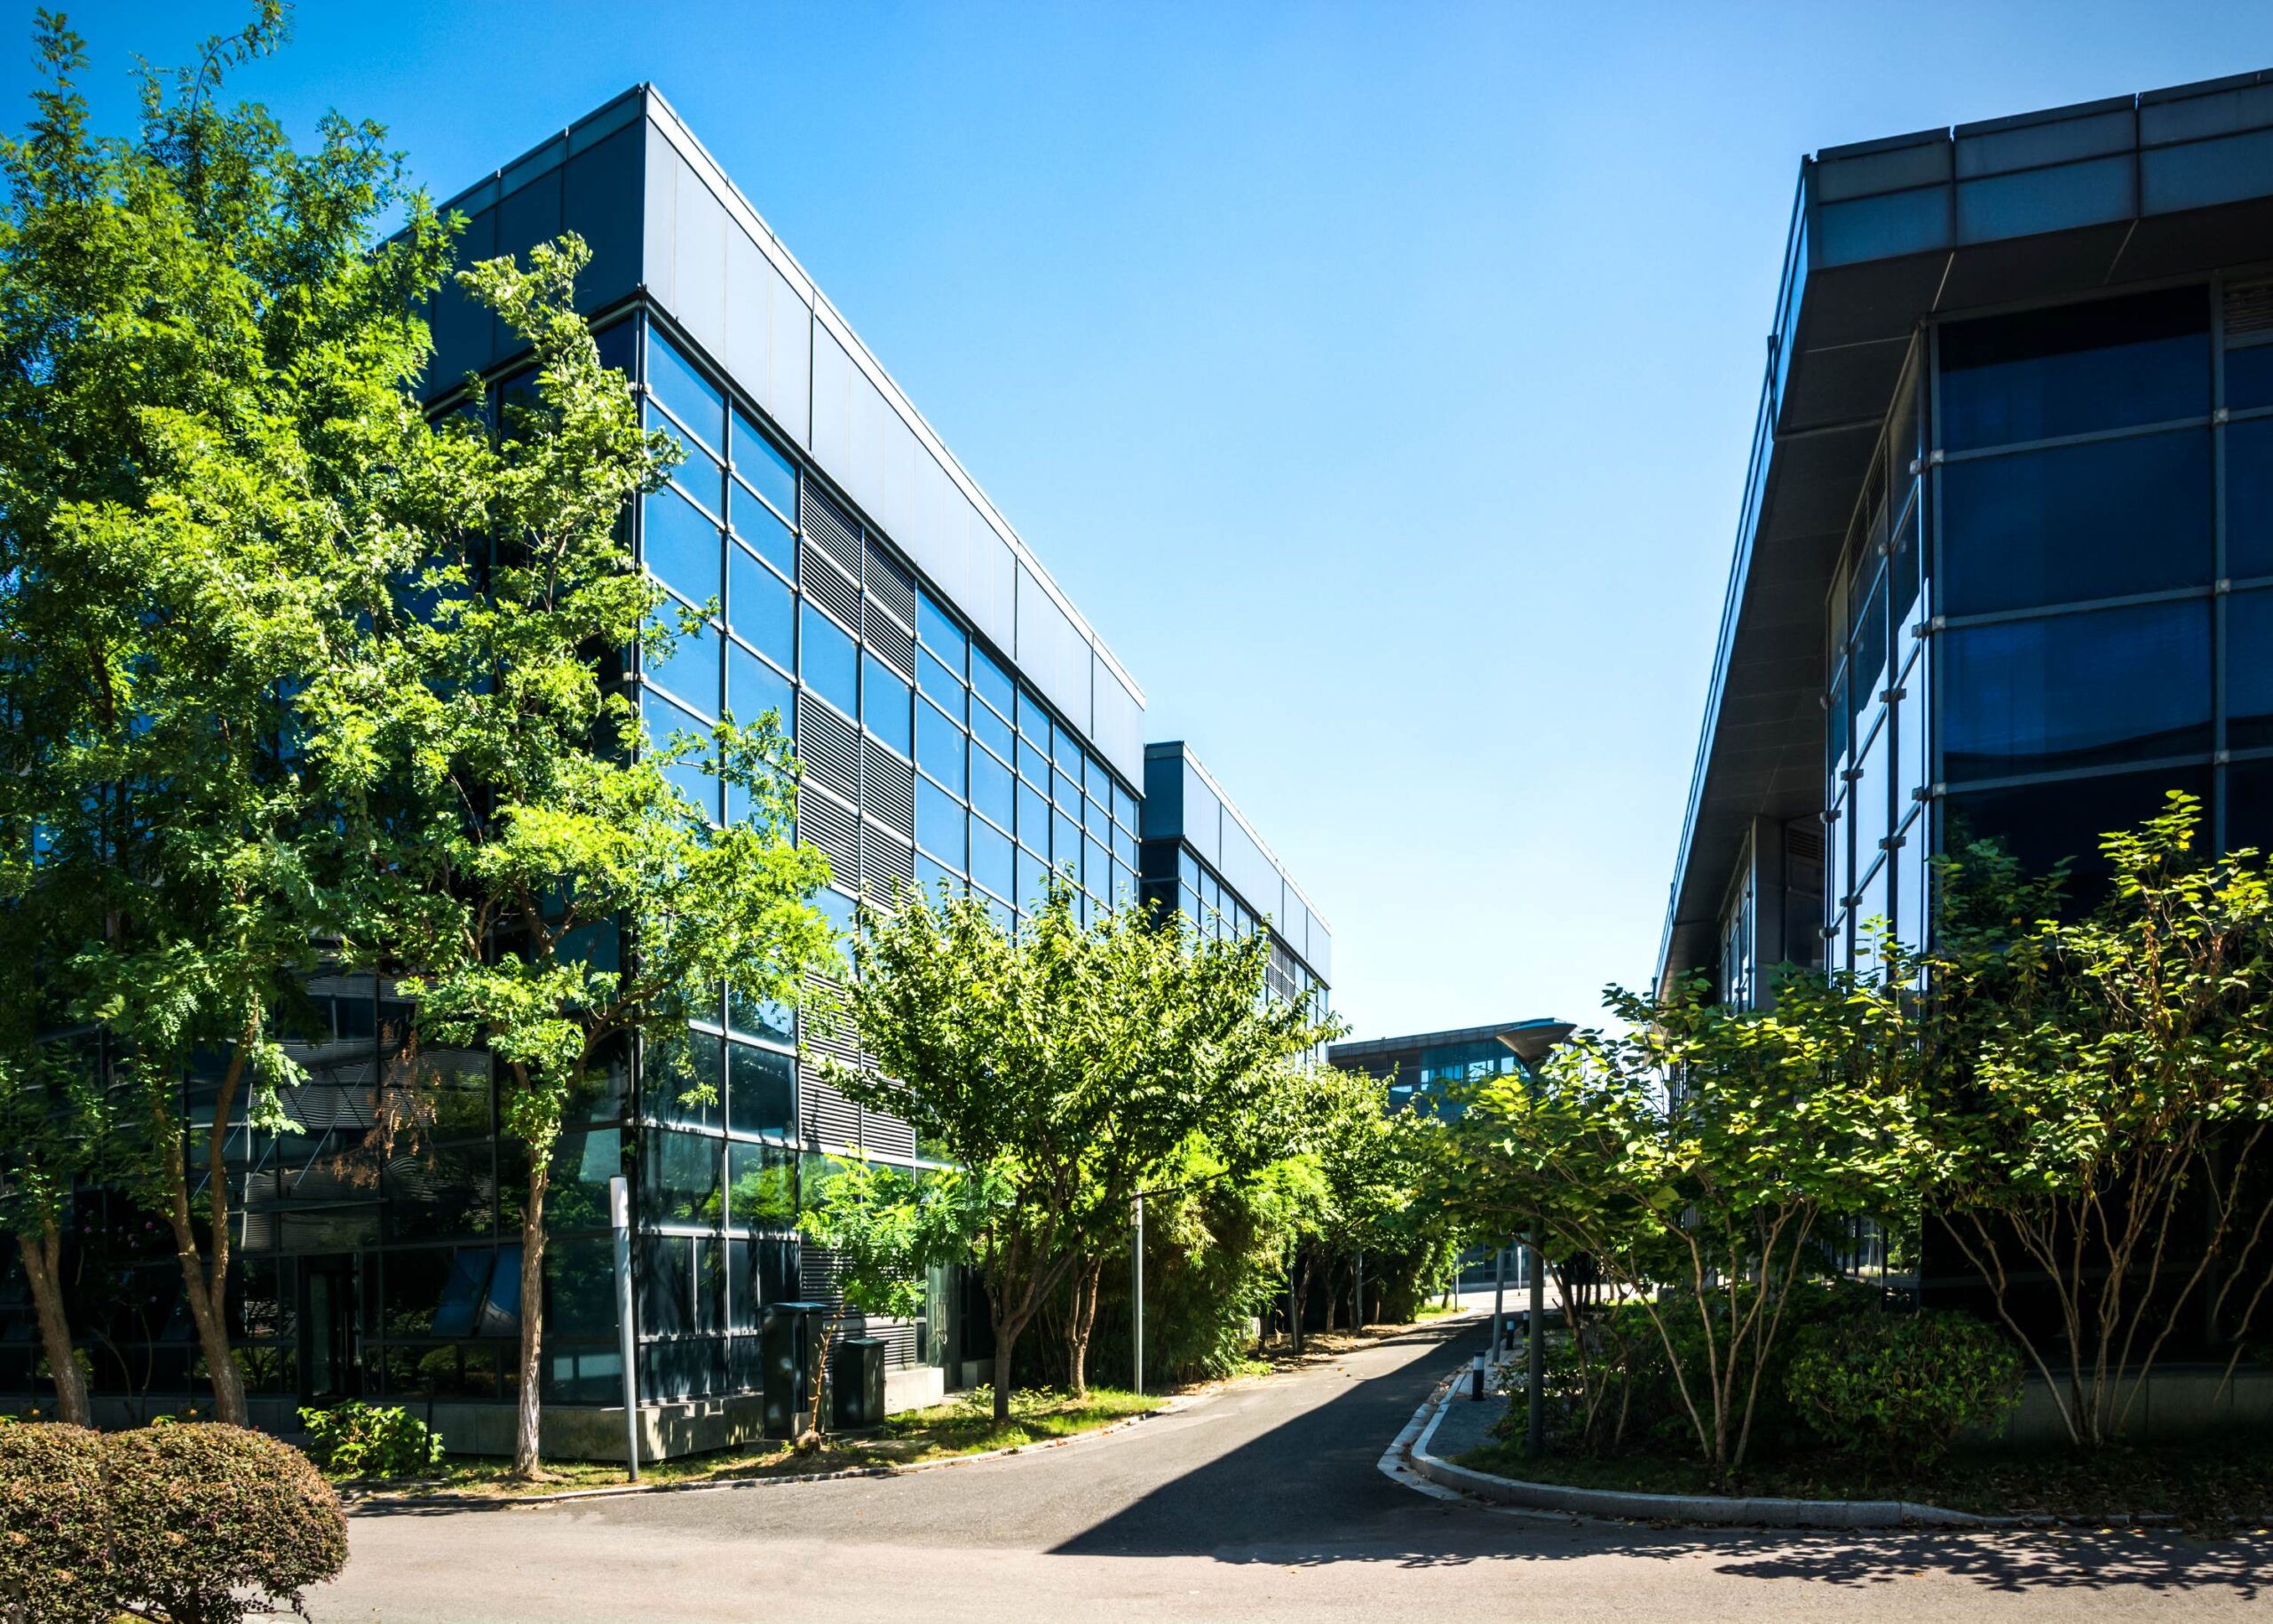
x,y
1528,1040
1885,235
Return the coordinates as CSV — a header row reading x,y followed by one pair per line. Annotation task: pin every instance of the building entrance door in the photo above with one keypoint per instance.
x,y
331,1329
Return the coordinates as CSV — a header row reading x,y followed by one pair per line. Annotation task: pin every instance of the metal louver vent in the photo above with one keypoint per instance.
x,y
829,746
888,865
887,636
886,1135
828,1118
833,829
888,789
1805,844
2249,309
820,1274
888,585
828,586
834,528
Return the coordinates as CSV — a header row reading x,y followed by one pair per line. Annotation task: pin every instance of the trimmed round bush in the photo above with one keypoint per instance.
x,y
54,1526
1900,1387
210,1522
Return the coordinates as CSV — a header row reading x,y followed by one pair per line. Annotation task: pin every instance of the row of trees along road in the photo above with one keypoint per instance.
x,y
2079,1098
297,678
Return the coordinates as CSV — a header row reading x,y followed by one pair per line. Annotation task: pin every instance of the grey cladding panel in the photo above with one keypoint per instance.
x,y
1203,816
1251,873
1116,722
1051,650
701,263
832,405
659,261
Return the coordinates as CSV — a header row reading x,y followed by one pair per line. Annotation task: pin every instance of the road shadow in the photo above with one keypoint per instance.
x,y
1309,1493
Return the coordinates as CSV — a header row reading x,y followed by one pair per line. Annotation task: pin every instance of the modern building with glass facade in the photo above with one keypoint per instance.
x,y
1199,855
2005,562
1420,1069
961,723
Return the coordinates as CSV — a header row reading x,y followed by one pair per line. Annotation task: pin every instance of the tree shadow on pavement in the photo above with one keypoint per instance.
x,y
1310,1492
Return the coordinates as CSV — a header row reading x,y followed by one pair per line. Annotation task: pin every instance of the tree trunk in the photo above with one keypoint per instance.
x,y
1006,1342
828,1329
1087,1280
527,1461
206,1281
1301,1303
42,1261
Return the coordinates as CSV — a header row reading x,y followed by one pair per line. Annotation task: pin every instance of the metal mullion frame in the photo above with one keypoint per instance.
x,y
2090,437
2222,583
2086,605
2116,769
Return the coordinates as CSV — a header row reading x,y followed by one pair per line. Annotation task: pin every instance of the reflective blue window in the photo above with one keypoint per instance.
x,y
1096,869
930,877
2076,523
665,721
1034,883
2075,368
682,547
941,684
1067,753
754,687
2249,495
701,477
684,393
760,462
883,704
1066,847
765,1018
1124,846
941,824
760,608
992,864
692,672
2249,669
1033,721
993,790
1033,820
1033,766
2042,823
941,634
1066,792
939,746
2077,690
761,1097
986,679
756,524
828,663
992,731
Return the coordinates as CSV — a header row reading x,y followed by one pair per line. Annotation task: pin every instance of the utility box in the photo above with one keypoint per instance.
x,y
855,1378
788,1348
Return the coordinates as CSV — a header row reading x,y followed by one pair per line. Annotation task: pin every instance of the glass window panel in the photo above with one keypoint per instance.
x,y
2076,523
2040,824
1066,844
1870,795
701,477
666,1281
683,1077
1124,806
754,688
1033,820
1066,792
690,669
1910,878
1034,883
765,1018
992,863
2249,805
2076,368
999,913
939,685
1910,713
2249,669
1067,753
686,393
941,634
993,790
885,702
828,663
576,1192
760,608
941,823
2249,376
940,748
1869,658
1124,846
758,460
1033,721
2249,496
2077,690
678,1177
761,1092
1033,766
1096,868
682,547
929,876
1838,724
1187,868
756,524
1872,912
764,1186
993,731
989,682
1124,886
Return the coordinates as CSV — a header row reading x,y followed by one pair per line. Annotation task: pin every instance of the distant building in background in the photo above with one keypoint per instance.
x,y
1418,1068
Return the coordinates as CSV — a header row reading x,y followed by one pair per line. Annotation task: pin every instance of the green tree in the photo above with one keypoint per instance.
x,y
55,1135
207,368
2102,1094
884,1229
1705,1148
575,900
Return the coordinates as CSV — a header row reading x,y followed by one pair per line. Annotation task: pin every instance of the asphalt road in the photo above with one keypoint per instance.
x,y
1262,1502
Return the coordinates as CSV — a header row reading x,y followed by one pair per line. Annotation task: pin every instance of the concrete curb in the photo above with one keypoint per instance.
x,y
1445,1480
377,1500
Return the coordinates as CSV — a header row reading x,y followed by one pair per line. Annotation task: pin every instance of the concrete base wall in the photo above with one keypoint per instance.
x,y
917,1387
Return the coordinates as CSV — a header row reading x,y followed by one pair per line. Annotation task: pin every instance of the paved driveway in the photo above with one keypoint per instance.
x,y
1264,1502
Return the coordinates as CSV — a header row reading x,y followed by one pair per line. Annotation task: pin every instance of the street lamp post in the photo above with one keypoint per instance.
x,y
1535,1354
1136,1273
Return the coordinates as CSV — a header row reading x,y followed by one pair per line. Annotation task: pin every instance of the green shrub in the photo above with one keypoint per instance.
x,y
210,1523
54,1530
1889,1387
363,1441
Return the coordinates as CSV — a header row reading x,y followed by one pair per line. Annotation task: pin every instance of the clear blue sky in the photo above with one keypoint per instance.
x,y
1378,379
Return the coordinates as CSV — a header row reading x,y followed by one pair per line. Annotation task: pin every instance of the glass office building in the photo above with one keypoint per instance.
x,y
960,723
1420,1069
2004,564
1200,856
